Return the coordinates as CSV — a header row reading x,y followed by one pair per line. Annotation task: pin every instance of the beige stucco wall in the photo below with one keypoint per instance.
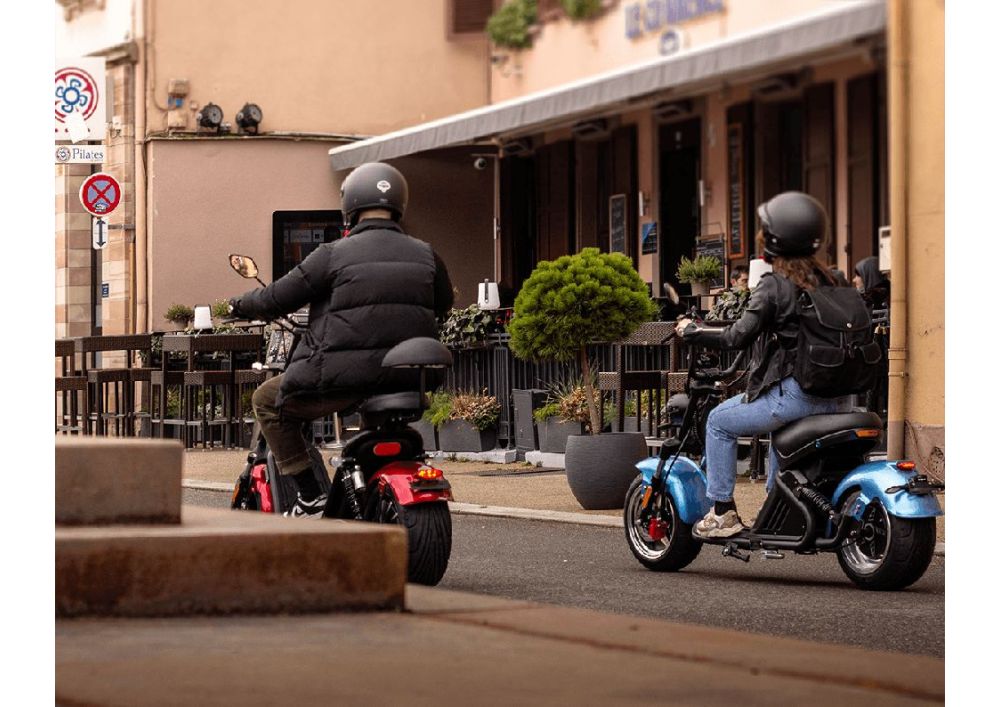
x,y
350,66
925,219
209,198
566,51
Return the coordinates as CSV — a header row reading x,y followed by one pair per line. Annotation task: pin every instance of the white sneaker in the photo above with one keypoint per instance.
x,y
307,509
724,526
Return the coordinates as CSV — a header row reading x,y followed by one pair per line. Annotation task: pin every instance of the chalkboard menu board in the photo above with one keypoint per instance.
x,y
618,223
734,148
714,247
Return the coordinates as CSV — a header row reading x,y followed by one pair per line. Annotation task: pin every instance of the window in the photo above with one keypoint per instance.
x,y
469,16
296,234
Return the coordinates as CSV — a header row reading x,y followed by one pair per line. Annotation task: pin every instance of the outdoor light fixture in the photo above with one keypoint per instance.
x,y
516,147
675,109
591,129
249,117
210,116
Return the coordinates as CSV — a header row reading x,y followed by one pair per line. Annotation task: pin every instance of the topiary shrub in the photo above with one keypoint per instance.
x,y
575,300
508,27
581,9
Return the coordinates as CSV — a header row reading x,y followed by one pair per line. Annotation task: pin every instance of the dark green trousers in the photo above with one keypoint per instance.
x,y
282,428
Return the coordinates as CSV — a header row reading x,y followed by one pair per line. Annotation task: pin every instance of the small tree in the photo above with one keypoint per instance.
x,y
576,300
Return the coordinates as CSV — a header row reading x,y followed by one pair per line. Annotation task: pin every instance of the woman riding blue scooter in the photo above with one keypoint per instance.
x,y
793,226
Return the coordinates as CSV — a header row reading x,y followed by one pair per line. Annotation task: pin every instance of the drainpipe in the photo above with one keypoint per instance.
x,y
140,276
899,128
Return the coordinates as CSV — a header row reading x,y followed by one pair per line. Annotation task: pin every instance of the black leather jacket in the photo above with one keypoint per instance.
x,y
769,323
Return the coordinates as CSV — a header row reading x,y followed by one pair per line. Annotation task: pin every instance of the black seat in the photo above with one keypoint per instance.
x,y
409,400
797,439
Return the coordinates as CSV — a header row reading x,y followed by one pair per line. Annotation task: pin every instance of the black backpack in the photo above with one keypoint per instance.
x,y
836,353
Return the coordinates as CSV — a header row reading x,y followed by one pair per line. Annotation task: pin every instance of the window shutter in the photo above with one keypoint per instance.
x,y
469,16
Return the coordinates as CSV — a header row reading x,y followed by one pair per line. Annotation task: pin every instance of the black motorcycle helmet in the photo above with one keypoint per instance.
x,y
794,225
373,185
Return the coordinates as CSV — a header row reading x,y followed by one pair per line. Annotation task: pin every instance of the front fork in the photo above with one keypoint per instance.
x,y
652,496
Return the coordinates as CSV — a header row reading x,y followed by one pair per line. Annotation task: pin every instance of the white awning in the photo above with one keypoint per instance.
x,y
808,35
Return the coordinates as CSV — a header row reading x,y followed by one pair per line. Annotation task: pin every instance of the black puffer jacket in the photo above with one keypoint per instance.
x,y
770,323
366,293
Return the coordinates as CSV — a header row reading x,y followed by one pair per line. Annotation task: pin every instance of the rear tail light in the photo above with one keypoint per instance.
x,y
868,433
387,449
429,472
906,466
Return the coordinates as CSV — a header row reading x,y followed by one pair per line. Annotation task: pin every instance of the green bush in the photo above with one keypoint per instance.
x,y
220,308
179,314
581,9
467,327
439,411
575,300
702,269
546,411
508,27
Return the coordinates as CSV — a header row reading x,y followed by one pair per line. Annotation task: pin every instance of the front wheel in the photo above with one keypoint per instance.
x,y
885,552
675,550
428,534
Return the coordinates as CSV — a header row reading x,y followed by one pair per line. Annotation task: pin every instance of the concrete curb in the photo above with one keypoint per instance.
x,y
498,511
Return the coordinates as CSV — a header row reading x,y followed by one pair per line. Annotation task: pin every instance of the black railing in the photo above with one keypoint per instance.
x,y
493,368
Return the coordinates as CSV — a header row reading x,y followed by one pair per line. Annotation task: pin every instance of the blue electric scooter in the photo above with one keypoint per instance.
x,y
878,516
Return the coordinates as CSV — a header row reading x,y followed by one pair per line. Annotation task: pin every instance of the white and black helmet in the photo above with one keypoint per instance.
x,y
794,225
373,185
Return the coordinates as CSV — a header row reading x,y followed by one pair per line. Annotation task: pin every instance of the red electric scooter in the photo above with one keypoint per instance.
x,y
381,474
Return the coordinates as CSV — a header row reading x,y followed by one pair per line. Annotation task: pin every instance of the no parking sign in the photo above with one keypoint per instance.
x,y
100,194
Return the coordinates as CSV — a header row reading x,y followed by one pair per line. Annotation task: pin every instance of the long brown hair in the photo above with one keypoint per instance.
x,y
801,271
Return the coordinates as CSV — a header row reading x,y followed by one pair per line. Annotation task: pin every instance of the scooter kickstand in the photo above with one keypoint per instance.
x,y
730,550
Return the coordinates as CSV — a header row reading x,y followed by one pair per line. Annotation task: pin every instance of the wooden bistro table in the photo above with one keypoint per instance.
x,y
193,380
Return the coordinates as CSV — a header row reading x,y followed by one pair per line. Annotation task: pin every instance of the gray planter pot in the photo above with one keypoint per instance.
x,y
553,433
599,468
428,433
460,436
632,425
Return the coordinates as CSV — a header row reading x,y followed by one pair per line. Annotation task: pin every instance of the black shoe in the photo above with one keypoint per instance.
x,y
307,509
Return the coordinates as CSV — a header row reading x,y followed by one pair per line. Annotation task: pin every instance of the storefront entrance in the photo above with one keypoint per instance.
x,y
680,211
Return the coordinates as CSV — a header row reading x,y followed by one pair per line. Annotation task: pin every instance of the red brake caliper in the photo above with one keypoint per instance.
x,y
657,529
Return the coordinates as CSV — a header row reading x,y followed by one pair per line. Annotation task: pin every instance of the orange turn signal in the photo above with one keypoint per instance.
x,y
868,433
906,466
429,472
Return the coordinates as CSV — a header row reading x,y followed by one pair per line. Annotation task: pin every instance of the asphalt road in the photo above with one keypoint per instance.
x,y
572,565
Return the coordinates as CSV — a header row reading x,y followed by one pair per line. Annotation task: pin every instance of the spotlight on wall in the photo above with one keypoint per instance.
x,y
673,109
249,117
210,116
517,147
591,129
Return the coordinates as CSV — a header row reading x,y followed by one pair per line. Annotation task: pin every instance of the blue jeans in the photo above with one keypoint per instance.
x,y
771,411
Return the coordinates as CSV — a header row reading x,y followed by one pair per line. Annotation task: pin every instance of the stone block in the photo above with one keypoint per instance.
x,y
223,562
118,481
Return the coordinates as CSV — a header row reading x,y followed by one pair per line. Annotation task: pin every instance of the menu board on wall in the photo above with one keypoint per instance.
x,y
734,150
714,247
618,223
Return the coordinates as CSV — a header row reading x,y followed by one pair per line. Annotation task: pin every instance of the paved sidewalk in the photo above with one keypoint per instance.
x,y
519,485
457,648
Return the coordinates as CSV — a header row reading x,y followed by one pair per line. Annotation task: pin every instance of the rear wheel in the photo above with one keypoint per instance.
x,y
884,552
428,534
675,550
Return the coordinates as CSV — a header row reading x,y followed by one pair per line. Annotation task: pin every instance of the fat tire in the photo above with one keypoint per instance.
x,y
910,551
428,534
683,547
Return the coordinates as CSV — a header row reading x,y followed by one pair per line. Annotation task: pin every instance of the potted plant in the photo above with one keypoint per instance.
x,y
471,425
511,26
468,327
636,416
180,315
699,272
563,415
434,416
563,306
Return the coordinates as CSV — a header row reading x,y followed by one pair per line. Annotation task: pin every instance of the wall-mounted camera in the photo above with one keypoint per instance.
x,y
480,163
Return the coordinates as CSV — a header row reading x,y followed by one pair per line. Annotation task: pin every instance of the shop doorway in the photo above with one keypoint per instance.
x,y
680,209
867,193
